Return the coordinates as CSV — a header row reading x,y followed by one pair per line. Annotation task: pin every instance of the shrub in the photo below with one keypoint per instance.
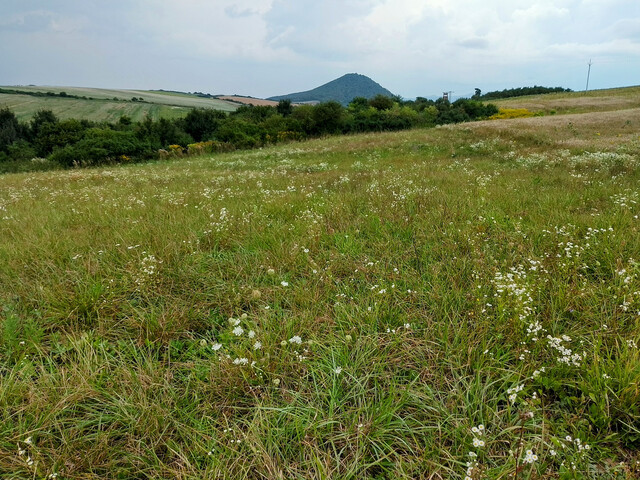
x,y
176,150
289,136
399,118
101,146
58,135
241,134
21,150
210,146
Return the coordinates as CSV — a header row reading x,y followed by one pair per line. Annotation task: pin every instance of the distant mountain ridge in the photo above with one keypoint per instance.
x,y
342,90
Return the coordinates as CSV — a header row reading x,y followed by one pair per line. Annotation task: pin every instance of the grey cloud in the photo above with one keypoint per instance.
x,y
236,12
29,22
627,28
477,43
313,28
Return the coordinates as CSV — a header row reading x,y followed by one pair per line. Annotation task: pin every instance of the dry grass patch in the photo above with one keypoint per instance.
x,y
576,102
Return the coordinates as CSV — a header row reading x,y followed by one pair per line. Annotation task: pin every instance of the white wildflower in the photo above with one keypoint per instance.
x,y
478,443
238,331
530,457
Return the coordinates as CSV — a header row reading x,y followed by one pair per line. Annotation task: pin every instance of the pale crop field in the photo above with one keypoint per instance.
x,y
107,105
459,302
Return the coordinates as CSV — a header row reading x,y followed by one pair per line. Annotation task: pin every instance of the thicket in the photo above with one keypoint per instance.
x,y
519,92
47,141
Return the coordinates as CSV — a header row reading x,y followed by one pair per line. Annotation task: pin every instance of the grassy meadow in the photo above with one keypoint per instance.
x,y
610,99
107,105
459,302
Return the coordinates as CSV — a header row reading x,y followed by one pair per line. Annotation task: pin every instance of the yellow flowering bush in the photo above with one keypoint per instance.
x,y
175,150
511,113
210,146
288,136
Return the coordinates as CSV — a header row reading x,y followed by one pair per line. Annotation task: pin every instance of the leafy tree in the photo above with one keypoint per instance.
x,y
254,113
166,132
328,117
305,117
125,120
358,103
380,102
202,123
9,129
284,107
39,119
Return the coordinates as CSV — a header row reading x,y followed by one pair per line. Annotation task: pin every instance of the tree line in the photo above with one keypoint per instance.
x,y
48,140
518,92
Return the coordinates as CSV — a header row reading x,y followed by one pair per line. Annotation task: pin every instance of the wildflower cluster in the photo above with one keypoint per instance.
x,y
473,467
530,457
27,453
513,392
571,453
566,355
147,269
219,222
242,343
515,287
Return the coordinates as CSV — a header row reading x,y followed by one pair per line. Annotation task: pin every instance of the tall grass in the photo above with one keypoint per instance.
x,y
457,302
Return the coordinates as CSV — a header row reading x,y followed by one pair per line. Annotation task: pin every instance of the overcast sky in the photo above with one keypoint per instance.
x,y
270,47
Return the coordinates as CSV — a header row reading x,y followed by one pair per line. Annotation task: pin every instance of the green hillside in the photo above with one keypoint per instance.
x,y
99,104
342,90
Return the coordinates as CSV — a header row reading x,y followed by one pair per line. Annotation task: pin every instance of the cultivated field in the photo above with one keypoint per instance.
x,y
248,100
458,302
107,104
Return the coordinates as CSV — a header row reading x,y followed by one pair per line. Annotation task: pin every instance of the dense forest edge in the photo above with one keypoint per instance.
x,y
46,142
518,92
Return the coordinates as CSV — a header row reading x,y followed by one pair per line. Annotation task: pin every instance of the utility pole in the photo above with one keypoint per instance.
x,y
588,73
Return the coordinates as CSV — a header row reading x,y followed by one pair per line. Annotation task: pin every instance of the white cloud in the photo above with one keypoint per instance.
x,y
538,11
199,28
412,47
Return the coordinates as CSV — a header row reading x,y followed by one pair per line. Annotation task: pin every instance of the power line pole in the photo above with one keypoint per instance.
x,y
588,73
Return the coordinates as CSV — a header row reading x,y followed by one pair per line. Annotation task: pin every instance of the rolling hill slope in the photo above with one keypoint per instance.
x,y
342,90
100,104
